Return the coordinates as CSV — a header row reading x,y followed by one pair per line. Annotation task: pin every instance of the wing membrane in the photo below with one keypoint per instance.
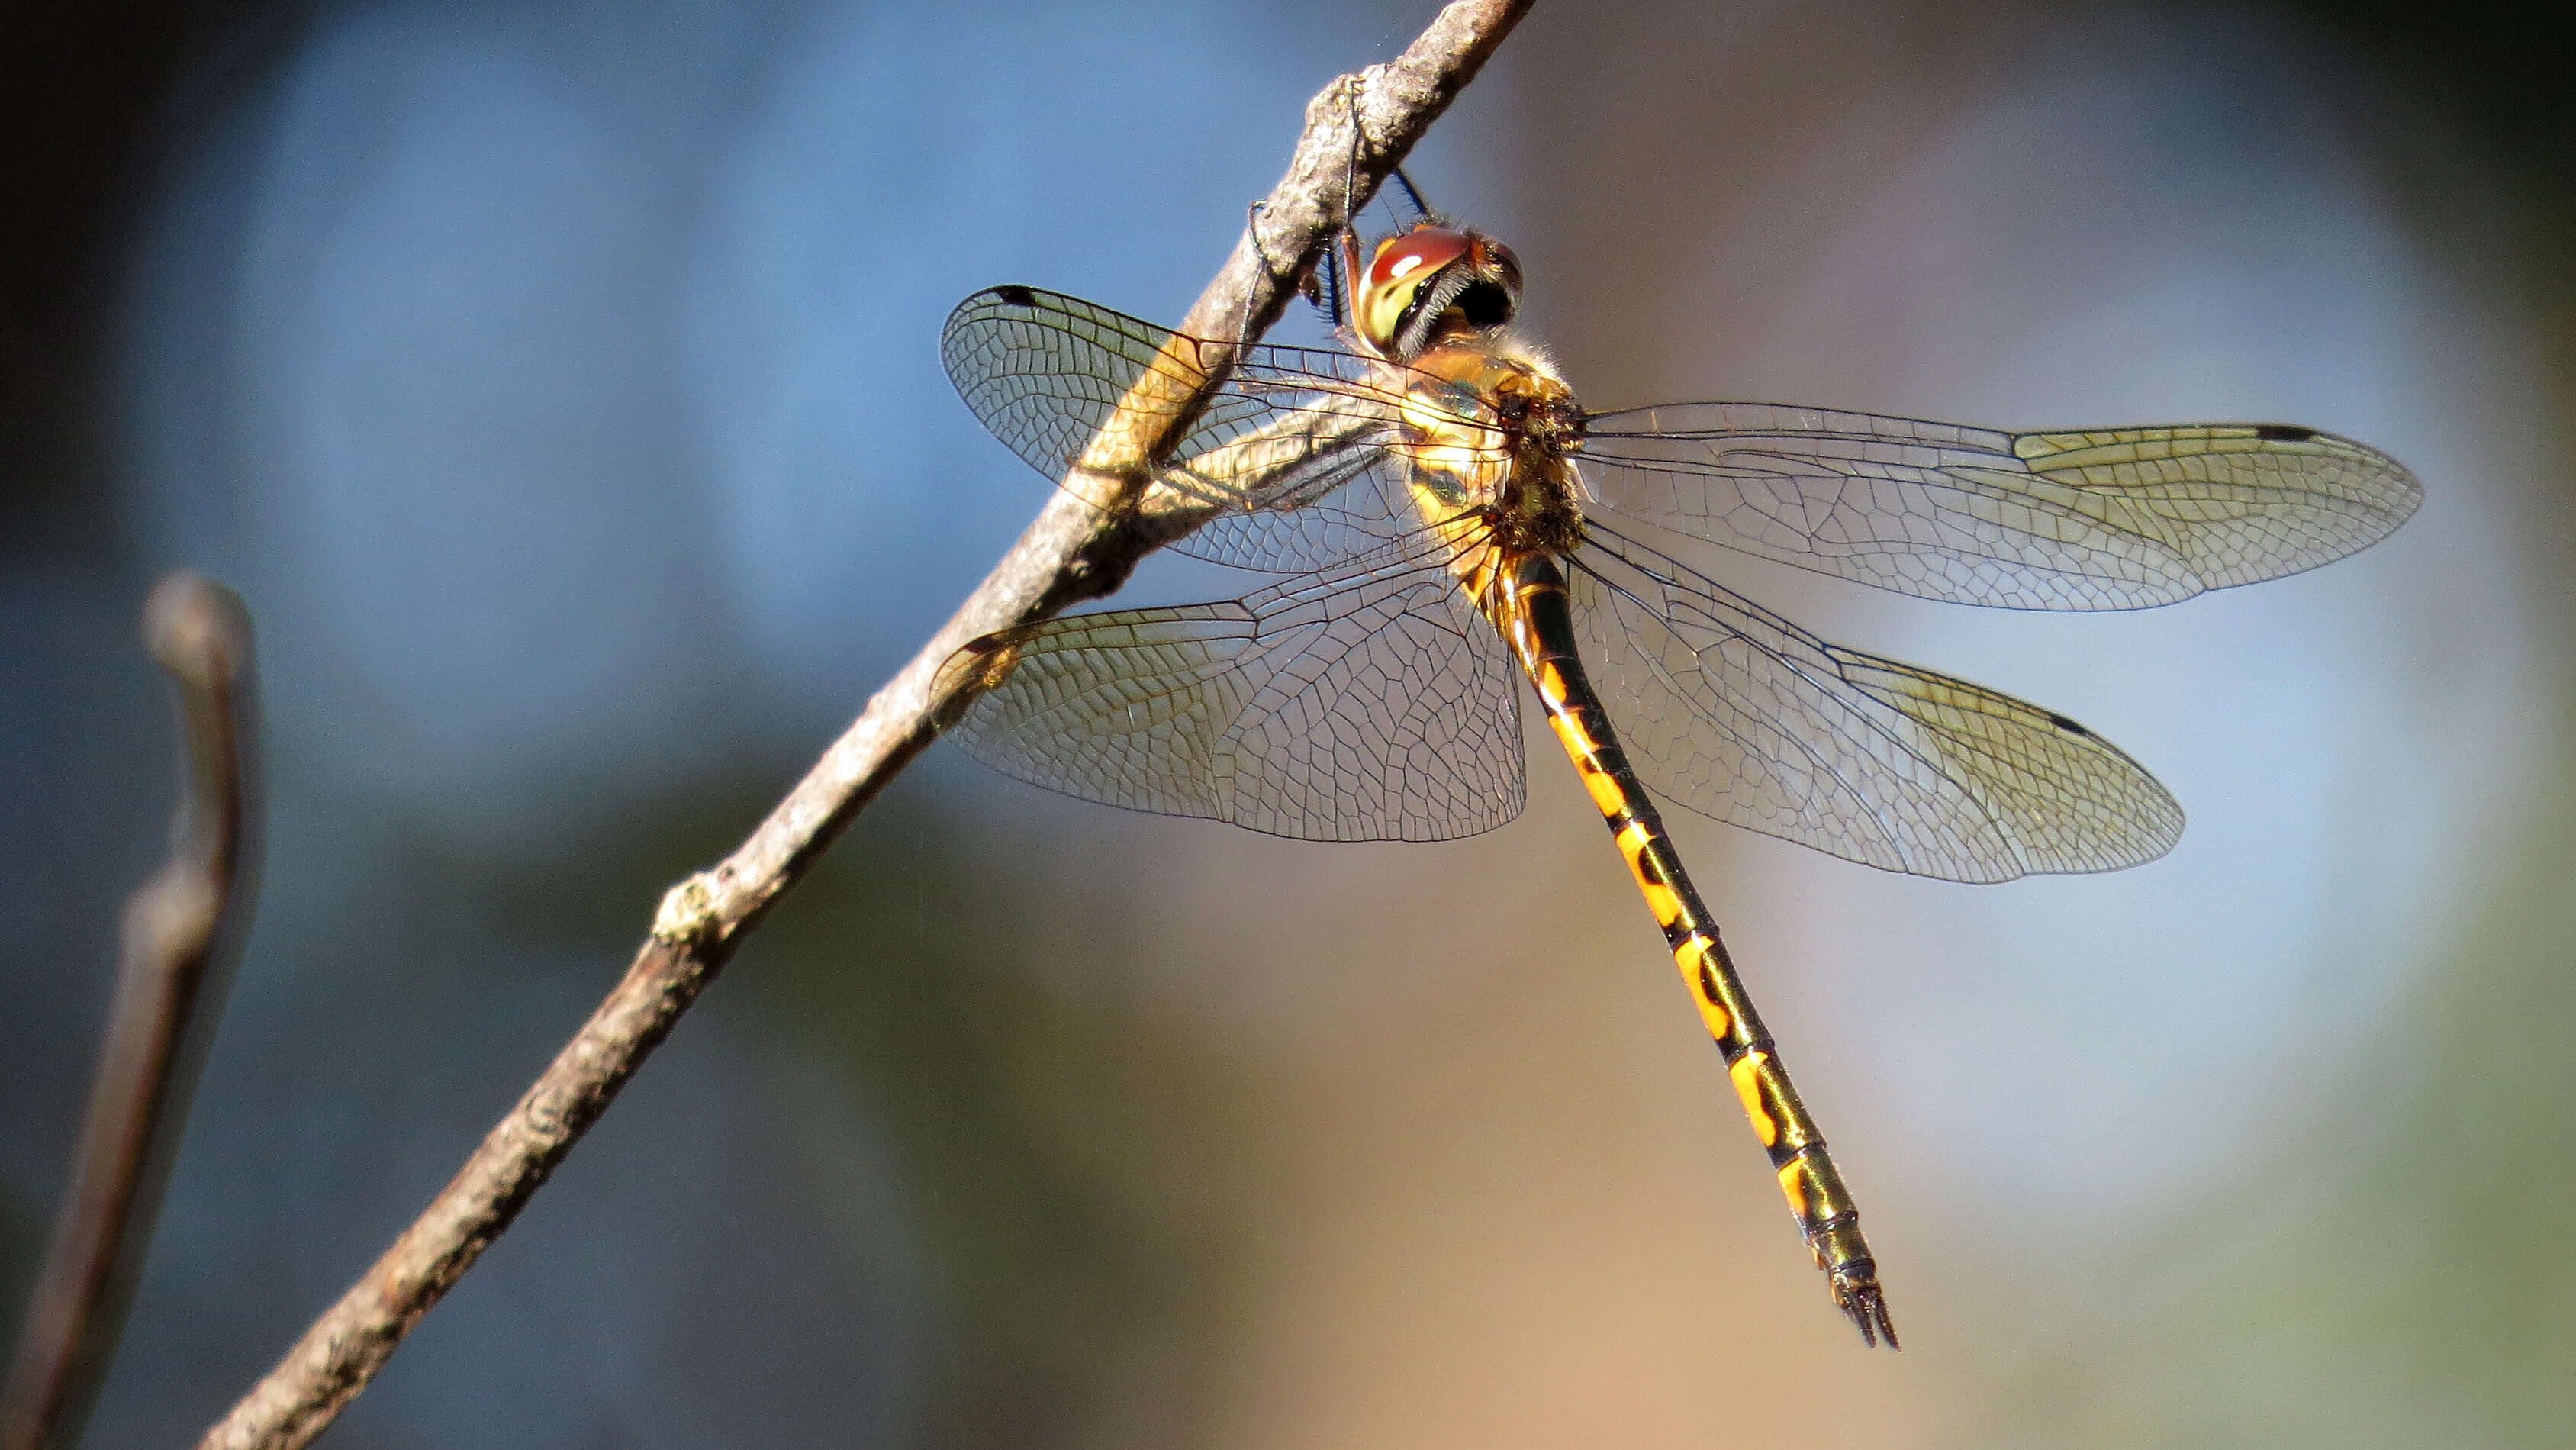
x,y
1288,455
1742,716
2113,518
1369,705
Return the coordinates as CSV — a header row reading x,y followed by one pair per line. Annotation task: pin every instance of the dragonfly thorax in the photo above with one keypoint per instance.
x,y
1495,430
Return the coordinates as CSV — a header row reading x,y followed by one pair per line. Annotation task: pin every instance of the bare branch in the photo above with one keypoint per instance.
x,y
181,936
1082,545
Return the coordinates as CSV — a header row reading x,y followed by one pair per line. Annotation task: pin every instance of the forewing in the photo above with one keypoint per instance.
x,y
1740,715
1286,460
1373,704
2111,518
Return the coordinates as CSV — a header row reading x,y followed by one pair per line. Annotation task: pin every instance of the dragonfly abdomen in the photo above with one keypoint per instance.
x,y
1532,611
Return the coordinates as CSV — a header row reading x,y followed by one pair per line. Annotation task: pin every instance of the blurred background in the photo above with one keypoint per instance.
x,y
558,383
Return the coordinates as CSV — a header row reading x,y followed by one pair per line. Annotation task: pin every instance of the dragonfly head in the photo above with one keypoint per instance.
x,y
1432,282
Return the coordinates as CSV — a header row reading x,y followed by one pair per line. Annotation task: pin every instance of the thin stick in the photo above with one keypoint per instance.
x,y
1075,550
181,935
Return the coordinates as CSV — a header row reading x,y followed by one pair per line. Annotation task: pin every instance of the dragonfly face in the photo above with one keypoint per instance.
x,y
1431,283
1438,558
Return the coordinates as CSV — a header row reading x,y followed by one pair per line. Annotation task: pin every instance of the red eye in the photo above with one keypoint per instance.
x,y
1416,254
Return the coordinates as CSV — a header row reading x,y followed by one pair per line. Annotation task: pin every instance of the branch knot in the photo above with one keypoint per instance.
x,y
687,916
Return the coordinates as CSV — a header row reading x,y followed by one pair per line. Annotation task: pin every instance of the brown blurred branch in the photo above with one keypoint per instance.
x,y
181,932
1357,130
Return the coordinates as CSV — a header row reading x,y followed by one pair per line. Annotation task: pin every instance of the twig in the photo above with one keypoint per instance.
x,y
181,934
1082,545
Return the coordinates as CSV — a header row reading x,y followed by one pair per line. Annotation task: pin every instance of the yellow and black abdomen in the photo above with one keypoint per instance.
x,y
1530,606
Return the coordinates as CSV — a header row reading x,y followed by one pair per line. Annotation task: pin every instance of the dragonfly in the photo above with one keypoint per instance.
x,y
1446,525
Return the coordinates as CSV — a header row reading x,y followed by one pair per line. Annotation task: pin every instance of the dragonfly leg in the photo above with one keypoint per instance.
x,y
1412,197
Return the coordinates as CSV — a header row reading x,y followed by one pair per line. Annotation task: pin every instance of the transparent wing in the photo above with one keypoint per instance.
x,y
1372,704
2111,518
1742,716
1288,453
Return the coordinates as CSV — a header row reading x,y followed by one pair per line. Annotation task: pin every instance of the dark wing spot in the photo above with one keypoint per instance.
x,y
2284,433
2069,726
1020,296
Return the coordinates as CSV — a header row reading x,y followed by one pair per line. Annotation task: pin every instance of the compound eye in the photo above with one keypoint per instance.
x,y
1415,256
